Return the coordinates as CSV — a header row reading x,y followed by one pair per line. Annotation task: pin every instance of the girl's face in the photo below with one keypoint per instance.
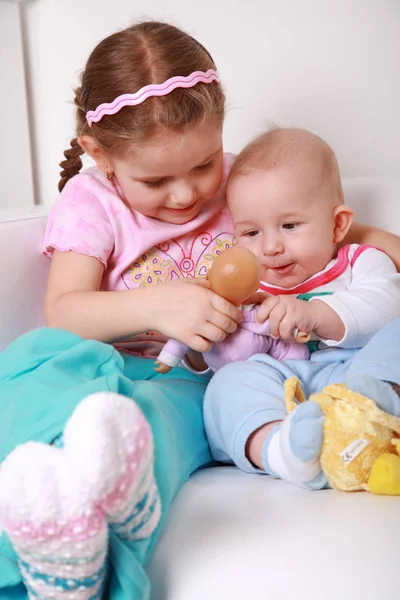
x,y
174,174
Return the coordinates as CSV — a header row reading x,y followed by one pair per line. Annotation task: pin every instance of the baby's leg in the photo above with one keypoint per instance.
x,y
247,423
56,502
375,370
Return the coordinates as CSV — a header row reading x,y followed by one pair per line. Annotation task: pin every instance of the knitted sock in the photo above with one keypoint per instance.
x,y
115,454
59,536
56,502
291,451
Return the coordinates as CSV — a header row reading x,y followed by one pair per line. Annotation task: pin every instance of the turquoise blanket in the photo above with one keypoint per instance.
x,y
45,374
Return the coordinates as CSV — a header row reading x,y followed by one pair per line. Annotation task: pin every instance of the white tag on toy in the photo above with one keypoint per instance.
x,y
353,450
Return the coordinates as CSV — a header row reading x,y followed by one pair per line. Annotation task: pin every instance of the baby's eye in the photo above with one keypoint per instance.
x,y
206,166
251,233
154,184
289,225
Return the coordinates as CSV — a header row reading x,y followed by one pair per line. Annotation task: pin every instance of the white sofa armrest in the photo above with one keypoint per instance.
x,y
24,272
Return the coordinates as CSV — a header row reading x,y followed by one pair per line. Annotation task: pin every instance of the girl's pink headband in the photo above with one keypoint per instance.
x,y
154,89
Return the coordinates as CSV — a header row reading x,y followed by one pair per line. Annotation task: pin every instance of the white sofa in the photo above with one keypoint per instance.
x,y
230,535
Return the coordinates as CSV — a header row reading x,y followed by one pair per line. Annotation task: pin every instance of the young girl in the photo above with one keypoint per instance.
x,y
96,444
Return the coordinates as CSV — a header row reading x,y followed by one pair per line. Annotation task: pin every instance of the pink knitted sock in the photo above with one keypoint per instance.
x,y
56,503
110,442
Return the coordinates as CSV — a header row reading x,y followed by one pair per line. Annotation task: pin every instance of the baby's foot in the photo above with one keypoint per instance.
x,y
60,537
110,443
291,451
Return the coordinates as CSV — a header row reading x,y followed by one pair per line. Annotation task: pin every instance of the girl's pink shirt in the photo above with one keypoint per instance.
x,y
90,218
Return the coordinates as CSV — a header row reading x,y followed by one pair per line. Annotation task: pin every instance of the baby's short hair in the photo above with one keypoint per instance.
x,y
286,147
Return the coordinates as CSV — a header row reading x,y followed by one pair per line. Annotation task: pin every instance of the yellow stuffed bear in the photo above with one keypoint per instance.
x,y
361,446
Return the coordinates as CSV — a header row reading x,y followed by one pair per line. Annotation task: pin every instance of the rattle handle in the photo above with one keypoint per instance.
x,y
301,336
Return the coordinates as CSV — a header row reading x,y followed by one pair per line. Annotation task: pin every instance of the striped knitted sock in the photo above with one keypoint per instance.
x,y
59,536
115,453
56,502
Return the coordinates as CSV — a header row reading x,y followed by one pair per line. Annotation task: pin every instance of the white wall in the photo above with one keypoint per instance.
x,y
332,66
16,182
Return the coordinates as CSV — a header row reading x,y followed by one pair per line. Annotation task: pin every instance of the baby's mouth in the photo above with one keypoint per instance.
x,y
283,268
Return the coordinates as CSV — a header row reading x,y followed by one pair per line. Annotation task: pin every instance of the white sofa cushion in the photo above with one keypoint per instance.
x,y
235,536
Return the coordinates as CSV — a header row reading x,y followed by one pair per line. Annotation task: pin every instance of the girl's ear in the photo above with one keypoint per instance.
x,y
91,147
343,218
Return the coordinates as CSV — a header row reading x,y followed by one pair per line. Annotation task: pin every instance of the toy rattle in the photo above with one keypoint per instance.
x,y
235,276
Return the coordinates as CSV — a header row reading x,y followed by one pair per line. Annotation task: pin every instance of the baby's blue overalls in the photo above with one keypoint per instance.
x,y
242,397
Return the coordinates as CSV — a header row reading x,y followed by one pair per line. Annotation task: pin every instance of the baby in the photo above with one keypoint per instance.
x,y
285,195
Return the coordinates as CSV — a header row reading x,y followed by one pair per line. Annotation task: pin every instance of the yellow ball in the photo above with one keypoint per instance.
x,y
385,475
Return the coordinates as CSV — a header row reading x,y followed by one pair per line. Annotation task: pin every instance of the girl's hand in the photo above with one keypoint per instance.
x,y
287,314
188,311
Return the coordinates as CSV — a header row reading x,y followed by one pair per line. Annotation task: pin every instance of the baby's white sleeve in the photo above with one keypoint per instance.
x,y
372,301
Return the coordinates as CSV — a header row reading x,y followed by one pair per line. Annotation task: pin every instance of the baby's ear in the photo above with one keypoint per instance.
x,y
343,218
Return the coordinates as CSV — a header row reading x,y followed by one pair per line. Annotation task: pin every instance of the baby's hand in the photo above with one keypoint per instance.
x,y
192,314
287,315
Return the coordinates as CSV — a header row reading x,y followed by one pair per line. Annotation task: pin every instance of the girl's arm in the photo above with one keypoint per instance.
x,y
192,314
74,302
385,241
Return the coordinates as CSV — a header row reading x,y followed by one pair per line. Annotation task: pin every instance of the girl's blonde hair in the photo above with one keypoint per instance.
x,y
149,52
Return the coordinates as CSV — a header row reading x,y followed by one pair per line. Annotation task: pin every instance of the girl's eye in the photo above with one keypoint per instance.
x,y
251,233
289,225
205,167
154,184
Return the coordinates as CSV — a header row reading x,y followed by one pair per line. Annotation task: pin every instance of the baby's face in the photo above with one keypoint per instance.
x,y
287,221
